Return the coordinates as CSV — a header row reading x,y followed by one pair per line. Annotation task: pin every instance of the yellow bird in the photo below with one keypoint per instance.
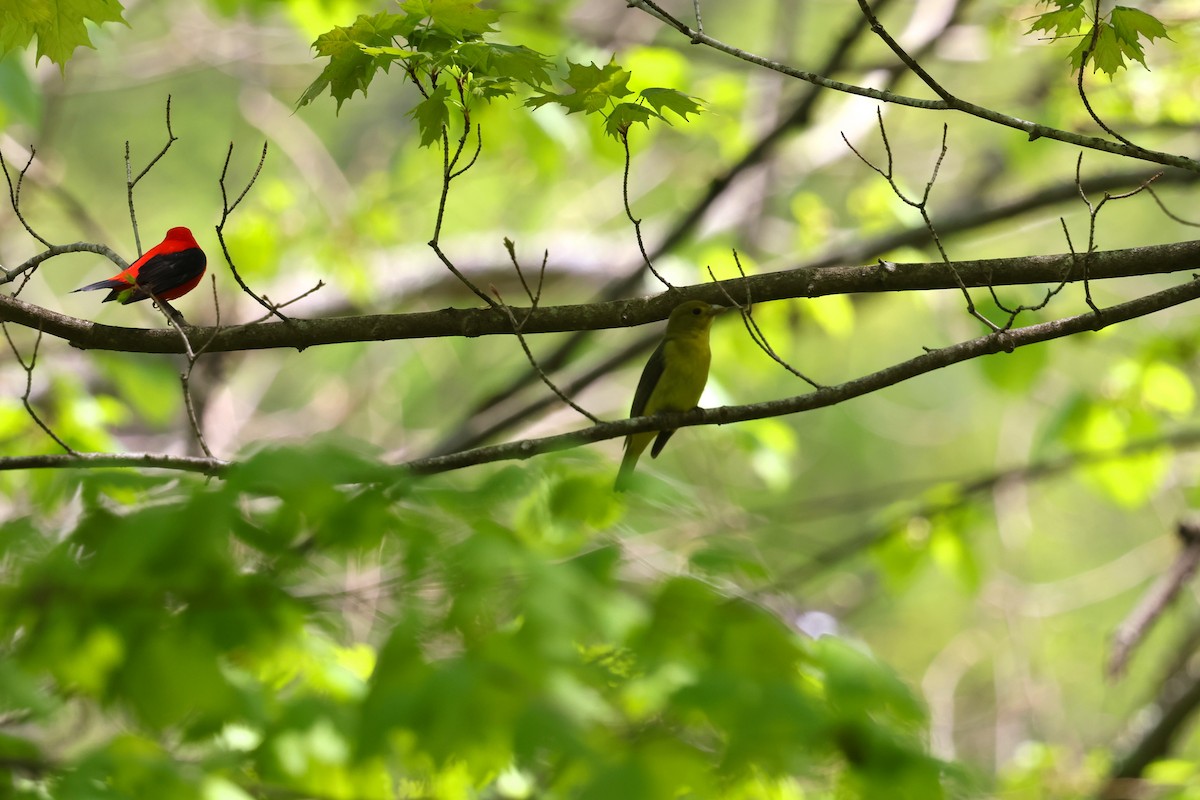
x,y
673,379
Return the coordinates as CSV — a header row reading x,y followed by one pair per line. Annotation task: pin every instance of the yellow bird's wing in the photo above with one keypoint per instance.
x,y
650,377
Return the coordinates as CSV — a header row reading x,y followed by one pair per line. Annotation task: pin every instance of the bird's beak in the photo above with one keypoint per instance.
x,y
716,311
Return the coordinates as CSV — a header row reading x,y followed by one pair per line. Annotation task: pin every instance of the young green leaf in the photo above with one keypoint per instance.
x,y
1060,22
432,114
625,115
595,88
1131,25
350,68
659,98
459,18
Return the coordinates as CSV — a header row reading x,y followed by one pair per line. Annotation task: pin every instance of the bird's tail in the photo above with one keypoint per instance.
x,y
625,473
634,445
105,284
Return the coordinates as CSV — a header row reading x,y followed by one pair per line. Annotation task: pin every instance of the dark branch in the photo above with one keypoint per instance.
x,y
809,282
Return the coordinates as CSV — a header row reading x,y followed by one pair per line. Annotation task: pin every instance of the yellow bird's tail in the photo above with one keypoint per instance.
x,y
634,447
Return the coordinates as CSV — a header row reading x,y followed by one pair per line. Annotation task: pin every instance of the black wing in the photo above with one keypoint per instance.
x,y
166,271
649,379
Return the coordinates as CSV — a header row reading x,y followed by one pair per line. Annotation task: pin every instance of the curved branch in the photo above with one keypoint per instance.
x,y
948,102
9,275
788,284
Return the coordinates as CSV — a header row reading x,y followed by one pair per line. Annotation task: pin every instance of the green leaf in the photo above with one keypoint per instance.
x,y
432,114
622,118
672,100
1131,25
1114,45
594,88
60,25
350,69
519,63
459,18
1059,23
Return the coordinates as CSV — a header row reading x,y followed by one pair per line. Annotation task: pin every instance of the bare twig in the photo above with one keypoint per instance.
x,y
8,275
227,208
516,328
132,181
176,320
746,309
448,175
922,207
534,296
1093,212
320,285
1154,602
14,194
29,386
637,223
1167,211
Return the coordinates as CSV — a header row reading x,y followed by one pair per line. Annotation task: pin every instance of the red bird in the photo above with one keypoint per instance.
x,y
170,269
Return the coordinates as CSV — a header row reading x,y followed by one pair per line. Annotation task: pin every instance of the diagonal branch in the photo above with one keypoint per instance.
x,y
930,361
1035,130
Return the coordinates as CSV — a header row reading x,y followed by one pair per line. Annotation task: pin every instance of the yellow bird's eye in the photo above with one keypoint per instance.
x,y
696,311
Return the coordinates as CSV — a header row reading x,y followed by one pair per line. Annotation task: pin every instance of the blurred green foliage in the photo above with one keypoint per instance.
x,y
316,625
503,646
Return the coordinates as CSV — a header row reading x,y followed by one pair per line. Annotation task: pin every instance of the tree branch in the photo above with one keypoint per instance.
x,y
930,361
831,395
949,103
797,283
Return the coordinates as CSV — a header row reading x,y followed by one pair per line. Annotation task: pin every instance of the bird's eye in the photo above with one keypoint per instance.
x,y
696,311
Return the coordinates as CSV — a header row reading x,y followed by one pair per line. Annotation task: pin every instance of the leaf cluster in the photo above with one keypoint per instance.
x,y
603,90
431,40
223,624
1109,42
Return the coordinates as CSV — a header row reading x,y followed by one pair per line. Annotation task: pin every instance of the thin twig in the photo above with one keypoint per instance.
x,y
320,285
29,386
756,334
1168,212
448,175
1087,53
131,181
517,326
227,208
637,223
14,194
921,206
1093,213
